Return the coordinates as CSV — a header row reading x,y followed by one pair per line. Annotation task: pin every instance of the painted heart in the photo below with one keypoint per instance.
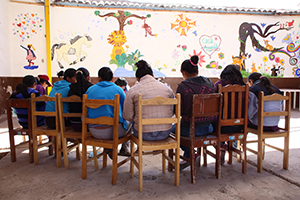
x,y
210,44
19,24
33,22
23,22
184,47
32,15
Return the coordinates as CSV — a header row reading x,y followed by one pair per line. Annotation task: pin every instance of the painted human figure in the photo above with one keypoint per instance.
x,y
30,54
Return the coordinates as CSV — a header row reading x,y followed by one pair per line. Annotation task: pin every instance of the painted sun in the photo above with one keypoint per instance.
x,y
182,24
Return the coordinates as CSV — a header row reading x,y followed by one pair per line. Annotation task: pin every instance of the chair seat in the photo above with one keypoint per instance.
x,y
71,133
269,134
167,143
202,140
90,140
45,130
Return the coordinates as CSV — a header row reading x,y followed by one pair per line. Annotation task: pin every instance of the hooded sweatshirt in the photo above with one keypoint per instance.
x,y
189,87
106,90
63,88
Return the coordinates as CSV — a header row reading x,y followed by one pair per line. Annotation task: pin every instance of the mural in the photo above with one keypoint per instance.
x,y
30,57
117,38
74,48
182,24
210,44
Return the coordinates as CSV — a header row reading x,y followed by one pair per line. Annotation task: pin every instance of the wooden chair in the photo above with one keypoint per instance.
x,y
204,105
13,131
87,139
44,130
150,147
262,135
68,134
235,112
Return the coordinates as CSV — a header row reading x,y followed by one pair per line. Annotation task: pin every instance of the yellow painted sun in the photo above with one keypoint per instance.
x,y
117,38
182,24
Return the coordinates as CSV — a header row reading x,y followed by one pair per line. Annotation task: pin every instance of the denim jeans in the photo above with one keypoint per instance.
x,y
152,136
185,132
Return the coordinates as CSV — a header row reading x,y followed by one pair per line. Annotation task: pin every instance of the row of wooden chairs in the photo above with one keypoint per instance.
x,y
205,105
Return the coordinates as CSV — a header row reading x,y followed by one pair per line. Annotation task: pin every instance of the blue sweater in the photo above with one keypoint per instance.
x,y
63,88
106,90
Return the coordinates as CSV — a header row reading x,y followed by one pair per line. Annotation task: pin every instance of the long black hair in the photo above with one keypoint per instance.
x,y
143,68
232,74
82,79
263,81
27,81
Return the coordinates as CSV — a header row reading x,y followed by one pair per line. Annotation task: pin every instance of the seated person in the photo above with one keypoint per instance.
x,y
121,82
23,91
63,88
192,84
42,84
106,89
149,87
258,83
78,89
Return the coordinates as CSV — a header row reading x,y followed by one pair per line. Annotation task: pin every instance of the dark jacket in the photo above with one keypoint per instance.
x,y
22,113
189,87
75,89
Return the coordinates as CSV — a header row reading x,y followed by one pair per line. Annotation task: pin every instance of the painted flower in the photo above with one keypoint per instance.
x,y
259,67
201,57
277,59
175,54
221,55
129,22
265,59
214,64
282,62
269,67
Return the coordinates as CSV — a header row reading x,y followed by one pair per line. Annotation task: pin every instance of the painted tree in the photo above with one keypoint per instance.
x,y
117,38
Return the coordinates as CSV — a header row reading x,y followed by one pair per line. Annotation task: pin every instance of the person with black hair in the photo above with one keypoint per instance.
x,y
23,91
192,84
63,88
259,83
78,89
43,83
149,87
106,89
121,82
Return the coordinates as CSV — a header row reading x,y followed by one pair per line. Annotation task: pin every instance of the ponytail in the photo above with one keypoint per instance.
x,y
266,83
191,65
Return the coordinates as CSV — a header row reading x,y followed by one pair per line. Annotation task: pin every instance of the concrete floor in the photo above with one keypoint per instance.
x,y
21,180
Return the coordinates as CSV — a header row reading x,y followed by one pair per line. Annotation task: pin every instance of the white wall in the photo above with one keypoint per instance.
x,y
164,52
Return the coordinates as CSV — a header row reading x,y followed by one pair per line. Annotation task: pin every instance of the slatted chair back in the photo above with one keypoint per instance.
x,y
87,139
53,134
67,133
235,113
13,131
156,146
284,131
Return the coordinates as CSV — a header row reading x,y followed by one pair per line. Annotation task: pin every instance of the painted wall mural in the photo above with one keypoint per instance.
x,y
119,38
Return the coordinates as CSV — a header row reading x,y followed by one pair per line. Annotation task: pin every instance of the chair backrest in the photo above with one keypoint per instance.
x,y
104,120
36,113
286,112
17,103
235,105
62,114
206,106
159,101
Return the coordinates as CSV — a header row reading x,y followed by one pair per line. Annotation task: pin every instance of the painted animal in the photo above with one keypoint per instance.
x,y
239,61
268,46
274,71
253,69
74,48
148,30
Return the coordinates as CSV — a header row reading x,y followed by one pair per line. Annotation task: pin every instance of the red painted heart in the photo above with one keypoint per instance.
x,y
19,24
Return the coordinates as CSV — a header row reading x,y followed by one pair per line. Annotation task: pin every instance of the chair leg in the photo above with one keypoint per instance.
x,y
140,170
263,149
114,165
286,153
35,149
218,162
65,153
163,160
259,154
198,164
51,147
95,158
177,157
131,158
40,139
229,152
13,147
31,159
78,150
238,156
84,162
204,154
244,158
104,158
192,165
171,155
58,150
